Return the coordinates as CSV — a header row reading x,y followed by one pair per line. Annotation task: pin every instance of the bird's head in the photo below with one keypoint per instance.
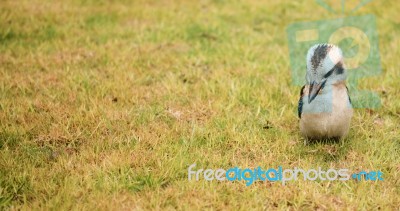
x,y
324,67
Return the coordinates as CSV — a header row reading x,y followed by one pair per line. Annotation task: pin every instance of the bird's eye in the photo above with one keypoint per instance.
x,y
337,69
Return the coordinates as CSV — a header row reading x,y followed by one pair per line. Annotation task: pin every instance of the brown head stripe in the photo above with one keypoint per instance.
x,y
319,54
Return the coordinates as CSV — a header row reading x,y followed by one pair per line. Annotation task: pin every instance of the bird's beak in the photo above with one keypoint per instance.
x,y
314,89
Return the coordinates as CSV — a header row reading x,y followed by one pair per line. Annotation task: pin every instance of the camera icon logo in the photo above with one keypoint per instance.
x,y
356,36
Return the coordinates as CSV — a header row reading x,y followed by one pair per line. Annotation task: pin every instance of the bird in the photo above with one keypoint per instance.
x,y
324,107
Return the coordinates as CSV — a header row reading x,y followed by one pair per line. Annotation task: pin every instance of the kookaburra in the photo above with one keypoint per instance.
x,y
325,109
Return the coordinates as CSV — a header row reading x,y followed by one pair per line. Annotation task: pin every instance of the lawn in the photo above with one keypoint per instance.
x,y
105,105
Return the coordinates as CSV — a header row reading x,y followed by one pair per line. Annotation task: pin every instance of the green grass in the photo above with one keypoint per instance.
x,y
105,105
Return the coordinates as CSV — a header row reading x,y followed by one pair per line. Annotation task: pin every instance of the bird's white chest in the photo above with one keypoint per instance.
x,y
329,115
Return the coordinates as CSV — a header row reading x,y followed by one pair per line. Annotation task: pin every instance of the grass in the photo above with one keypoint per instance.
x,y
105,104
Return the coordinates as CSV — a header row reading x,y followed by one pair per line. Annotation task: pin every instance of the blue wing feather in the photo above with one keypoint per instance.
x,y
348,94
300,106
